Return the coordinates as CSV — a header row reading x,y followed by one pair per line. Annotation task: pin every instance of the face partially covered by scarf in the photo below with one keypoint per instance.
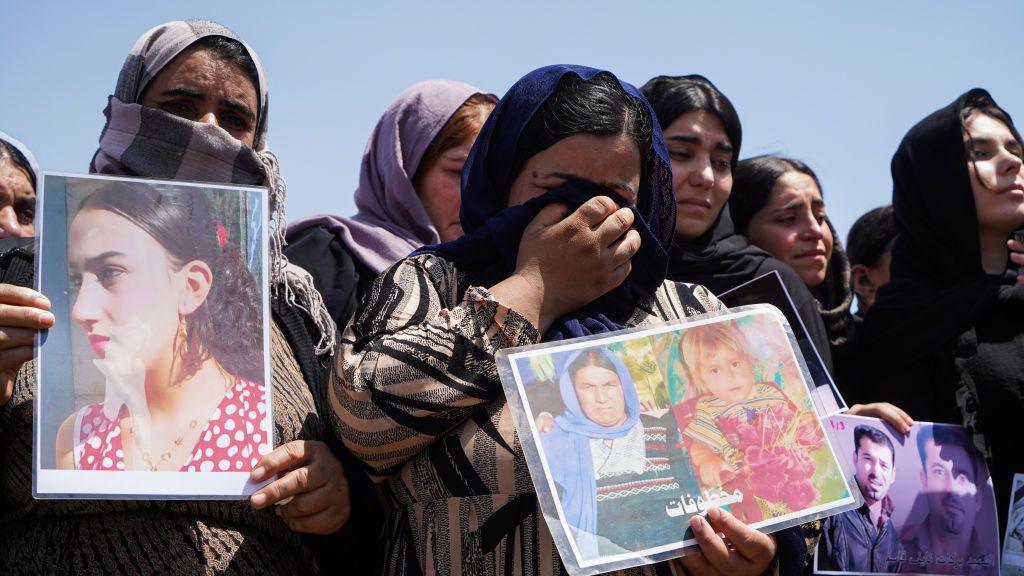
x,y
488,251
150,143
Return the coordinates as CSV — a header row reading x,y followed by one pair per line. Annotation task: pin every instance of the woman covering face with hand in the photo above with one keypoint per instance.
x,y
191,103
945,332
568,212
408,193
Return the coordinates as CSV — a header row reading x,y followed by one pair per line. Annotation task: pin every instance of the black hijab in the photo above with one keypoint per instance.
x,y
938,286
721,259
946,339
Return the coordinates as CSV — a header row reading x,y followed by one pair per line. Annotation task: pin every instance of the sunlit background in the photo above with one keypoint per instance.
x,y
836,84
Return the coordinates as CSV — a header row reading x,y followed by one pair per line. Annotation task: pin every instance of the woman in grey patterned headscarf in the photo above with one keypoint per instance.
x,y
158,128
19,178
191,103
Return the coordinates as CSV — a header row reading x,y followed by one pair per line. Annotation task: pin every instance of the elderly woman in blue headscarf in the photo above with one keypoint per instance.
x,y
601,446
568,211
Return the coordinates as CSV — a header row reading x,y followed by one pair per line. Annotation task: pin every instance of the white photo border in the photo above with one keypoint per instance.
x,y
507,361
143,485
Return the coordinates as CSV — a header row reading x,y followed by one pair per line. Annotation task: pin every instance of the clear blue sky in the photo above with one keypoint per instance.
x,y
836,84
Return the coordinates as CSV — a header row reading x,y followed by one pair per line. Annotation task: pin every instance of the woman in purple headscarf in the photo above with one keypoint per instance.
x,y
408,193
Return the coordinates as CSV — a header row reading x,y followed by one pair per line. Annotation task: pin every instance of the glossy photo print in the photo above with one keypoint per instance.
x,y
769,289
928,505
153,382
629,436
1013,540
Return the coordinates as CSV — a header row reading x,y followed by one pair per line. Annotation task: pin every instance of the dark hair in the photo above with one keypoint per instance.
x,y
946,436
673,96
981,102
8,150
228,324
871,235
599,106
754,181
592,357
466,121
233,52
875,435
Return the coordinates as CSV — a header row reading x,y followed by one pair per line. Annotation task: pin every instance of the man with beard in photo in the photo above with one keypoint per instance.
x,y
947,541
864,540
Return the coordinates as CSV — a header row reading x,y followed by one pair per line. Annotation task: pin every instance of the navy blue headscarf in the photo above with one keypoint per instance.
x,y
487,253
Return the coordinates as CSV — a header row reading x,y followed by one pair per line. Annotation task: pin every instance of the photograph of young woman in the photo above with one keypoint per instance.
x,y
174,318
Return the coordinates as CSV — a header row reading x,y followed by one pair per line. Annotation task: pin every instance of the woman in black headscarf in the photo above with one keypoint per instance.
x,y
703,135
945,335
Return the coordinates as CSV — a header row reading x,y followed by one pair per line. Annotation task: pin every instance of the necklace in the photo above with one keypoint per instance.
x,y
165,456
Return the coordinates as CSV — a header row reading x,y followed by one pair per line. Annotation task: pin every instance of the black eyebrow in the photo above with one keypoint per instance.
x,y
724,146
99,258
198,95
685,138
184,91
613,185
239,107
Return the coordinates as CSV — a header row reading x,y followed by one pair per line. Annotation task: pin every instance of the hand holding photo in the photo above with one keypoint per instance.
x,y
157,362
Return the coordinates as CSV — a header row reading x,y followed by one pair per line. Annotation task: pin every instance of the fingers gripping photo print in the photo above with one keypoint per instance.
x,y
629,436
157,363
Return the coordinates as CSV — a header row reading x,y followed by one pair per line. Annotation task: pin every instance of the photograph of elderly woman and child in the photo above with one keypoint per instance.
x,y
633,435
160,368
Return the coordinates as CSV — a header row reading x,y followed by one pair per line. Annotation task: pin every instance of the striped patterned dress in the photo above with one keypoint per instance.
x,y
417,397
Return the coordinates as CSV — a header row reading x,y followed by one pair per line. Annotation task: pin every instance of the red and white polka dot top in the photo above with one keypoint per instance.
x,y
233,440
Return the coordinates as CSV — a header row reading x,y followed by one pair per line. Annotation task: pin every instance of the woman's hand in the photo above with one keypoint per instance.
x,y
1017,256
899,419
23,312
751,553
565,263
311,490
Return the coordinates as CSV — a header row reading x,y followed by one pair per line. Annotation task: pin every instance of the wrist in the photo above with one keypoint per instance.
x,y
522,296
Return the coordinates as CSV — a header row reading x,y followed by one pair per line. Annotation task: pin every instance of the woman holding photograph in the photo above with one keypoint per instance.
x,y
191,103
946,332
408,193
601,447
19,178
568,211
175,320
